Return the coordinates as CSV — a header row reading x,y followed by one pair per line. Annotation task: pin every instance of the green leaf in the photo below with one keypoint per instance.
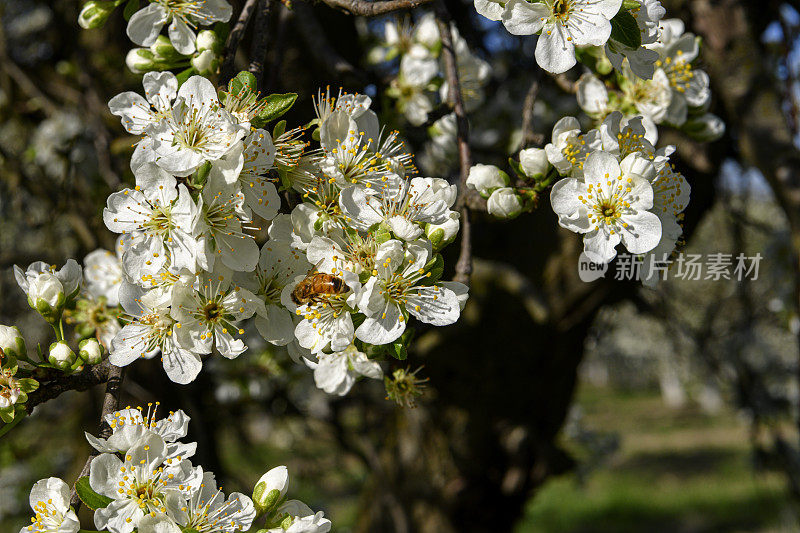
x,y
28,384
625,30
130,8
20,414
243,82
276,105
631,4
88,496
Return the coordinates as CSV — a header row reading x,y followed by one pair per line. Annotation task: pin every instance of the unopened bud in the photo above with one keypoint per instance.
x,y
141,60
46,295
208,40
12,343
206,62
443,234
486,178
90,351
61,355
95,13
270,489
534,163
164,52
504,203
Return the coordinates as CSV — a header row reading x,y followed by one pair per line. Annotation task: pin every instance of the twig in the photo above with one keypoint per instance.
x,y
564,83
81,381
529,136
464,263
373,9
232,43
110,404
260,44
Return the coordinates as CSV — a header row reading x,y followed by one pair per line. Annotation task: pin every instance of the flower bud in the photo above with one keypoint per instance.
x,y
705,128
443,234
61,355
208,40
90,351
504,203
95,13
486,178
164,51
205,62
270,489
12,343
534,162
46,295
140,60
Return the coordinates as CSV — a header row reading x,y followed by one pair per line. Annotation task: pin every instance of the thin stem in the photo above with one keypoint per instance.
x,y
110,404
443,20
234,38
373,9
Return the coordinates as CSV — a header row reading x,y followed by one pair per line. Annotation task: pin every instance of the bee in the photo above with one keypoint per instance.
x,y
316,286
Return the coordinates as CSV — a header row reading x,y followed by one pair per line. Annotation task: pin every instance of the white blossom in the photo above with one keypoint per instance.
x,y
609,205
146,24
563,25
49,500
335,373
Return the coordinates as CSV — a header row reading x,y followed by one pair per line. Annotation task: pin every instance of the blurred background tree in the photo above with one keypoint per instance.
x,y
690,365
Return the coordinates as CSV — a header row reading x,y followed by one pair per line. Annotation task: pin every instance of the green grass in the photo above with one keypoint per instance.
x,y
675,472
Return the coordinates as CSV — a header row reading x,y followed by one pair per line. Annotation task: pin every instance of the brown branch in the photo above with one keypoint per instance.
x,y
60,383
443,20
260,44
232,43
529,136
110,404
373,9
564,83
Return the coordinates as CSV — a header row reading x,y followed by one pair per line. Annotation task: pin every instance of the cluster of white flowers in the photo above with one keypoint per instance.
x,y
348,265
676,93
181,47
616,188
142,480
420,82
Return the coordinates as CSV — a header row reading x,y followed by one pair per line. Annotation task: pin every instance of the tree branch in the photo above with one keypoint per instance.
x,y
443,20
232,43
373,9
60,383
260,44
110,404
529,136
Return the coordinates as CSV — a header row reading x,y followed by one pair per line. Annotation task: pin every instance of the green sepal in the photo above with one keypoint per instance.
x,y
631,4
435,268
517,168
625,30
10,364
279,128
382,233
27,384
399,351
200,176
7,414
89,497
130,8
286,183
189,530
